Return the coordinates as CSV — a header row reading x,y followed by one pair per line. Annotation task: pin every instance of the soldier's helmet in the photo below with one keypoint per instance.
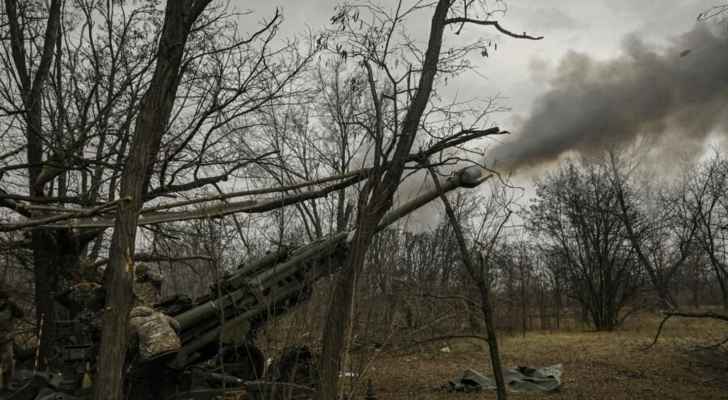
x,y
147,284
142,273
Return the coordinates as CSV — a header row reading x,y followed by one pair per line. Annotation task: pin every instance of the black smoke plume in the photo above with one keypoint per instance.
x,y
677,94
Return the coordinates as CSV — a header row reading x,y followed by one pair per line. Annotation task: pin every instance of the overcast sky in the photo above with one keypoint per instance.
x,y
520,70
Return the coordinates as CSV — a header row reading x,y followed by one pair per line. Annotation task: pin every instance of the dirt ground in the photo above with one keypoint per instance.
x,y
596,365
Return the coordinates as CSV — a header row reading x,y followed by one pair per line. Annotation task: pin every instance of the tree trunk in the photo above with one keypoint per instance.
x,y
44,251
374,201
45,277
557,303
337,329
524,303
659,281
56,255
482,288
156,107
495,361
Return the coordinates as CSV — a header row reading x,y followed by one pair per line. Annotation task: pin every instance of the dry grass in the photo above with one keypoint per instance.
x,y
597,365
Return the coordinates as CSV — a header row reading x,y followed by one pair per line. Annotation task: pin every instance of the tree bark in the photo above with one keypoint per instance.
x,y
47,253
381,186
156,107
56,254
338,320
484,294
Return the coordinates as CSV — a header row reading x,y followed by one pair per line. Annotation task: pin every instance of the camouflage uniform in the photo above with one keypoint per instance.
x,y
9,313
147,285
151,332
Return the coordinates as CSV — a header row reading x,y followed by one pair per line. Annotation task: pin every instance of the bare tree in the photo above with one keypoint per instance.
x,y
577,212
109,106
478,274
110,110
30,57
659,224
706,199
156,109
400,92
556,273
317,135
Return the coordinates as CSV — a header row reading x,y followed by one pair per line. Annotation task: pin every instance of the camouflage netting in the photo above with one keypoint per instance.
x,y
82,297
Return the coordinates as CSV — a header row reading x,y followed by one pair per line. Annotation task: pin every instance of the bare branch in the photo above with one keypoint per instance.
x,y
49,220
495,24
147,257
684,314
215,211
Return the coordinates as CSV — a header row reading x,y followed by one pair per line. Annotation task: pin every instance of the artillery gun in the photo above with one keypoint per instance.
x,y
247,298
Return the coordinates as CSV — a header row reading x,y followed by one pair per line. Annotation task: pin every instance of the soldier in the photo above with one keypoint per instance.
x,y
9,314
153,334
147,285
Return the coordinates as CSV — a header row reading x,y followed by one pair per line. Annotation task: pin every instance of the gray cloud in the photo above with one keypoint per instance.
x,y
551,19
539,69
664,94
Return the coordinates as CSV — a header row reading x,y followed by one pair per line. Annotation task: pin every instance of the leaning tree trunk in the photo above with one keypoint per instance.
x,y
481,283
156,108
495,361
374,202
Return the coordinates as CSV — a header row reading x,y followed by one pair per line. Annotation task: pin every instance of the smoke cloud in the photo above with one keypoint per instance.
x,y
676,94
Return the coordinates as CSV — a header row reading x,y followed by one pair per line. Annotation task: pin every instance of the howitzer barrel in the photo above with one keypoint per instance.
x,y
237,280
469,177
212,308
275,281
192,345
323,249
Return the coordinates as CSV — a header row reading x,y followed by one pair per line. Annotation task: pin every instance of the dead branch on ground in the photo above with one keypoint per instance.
x,y
684,314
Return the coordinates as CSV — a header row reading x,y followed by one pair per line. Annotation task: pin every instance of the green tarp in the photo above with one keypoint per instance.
x,y
519,379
